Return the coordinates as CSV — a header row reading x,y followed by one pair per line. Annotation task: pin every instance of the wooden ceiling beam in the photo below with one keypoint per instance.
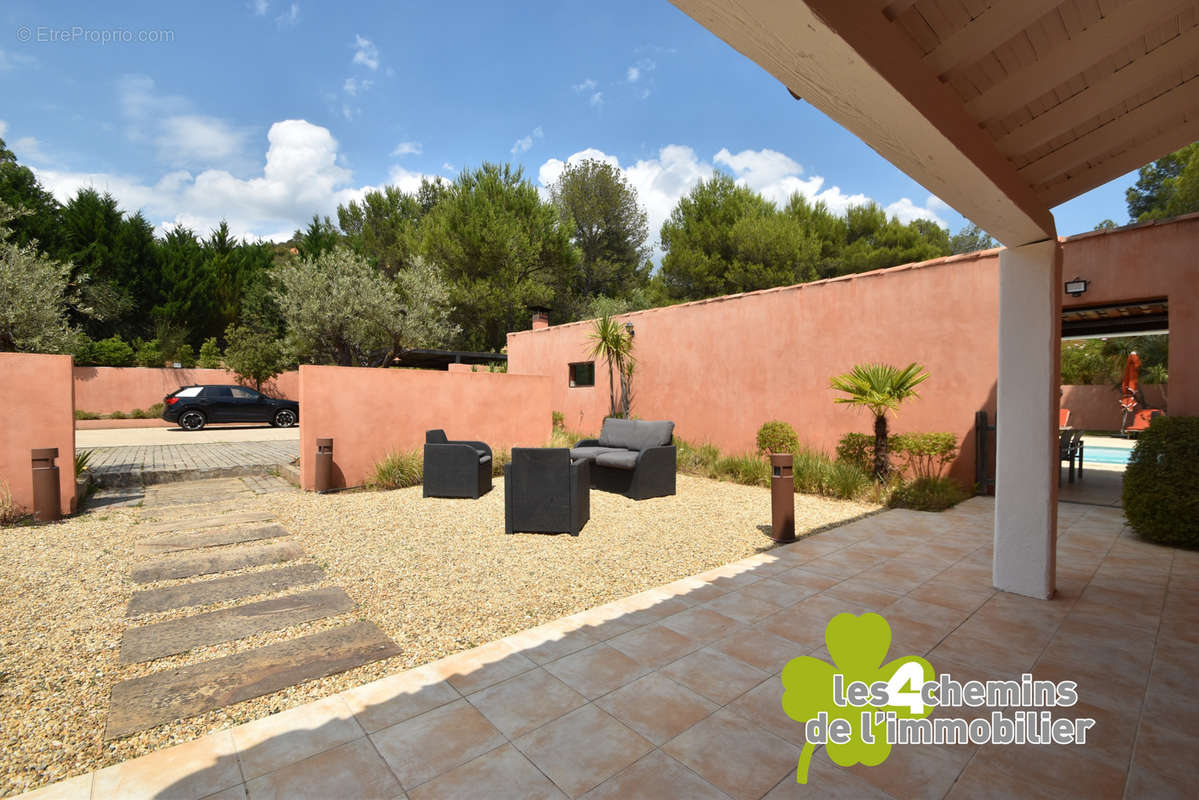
x,y
1000,22
1109,34
1146,72
1127,127
1135,157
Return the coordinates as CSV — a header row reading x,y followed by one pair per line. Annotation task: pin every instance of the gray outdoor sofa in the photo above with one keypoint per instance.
x,y
632,457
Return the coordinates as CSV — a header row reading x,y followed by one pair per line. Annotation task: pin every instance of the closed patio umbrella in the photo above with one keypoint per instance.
x,y
1132,369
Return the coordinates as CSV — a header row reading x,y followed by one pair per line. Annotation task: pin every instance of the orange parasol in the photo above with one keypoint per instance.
x,y
1132,369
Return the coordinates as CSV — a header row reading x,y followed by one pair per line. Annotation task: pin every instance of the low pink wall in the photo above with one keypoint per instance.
x,y
106,389
36,399
720,368
1097,408
370,413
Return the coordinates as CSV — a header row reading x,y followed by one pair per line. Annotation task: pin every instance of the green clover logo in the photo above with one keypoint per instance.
x,y
858,645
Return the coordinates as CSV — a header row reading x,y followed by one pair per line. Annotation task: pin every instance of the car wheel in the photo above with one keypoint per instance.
x,y
192,420
284,418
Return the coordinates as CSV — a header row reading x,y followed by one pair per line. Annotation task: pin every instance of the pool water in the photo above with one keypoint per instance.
x,y
1096,454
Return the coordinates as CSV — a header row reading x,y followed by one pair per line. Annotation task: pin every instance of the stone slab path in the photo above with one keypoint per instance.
x,y
161,639
214,538
206,538
142,703
215,590
150,464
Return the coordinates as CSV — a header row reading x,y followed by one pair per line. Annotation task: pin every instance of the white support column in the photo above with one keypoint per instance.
x,y
1027,420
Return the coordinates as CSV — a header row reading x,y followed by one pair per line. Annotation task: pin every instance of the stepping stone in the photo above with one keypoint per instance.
x,y
218,590
180,635
207,538
195,524
145,702
221,561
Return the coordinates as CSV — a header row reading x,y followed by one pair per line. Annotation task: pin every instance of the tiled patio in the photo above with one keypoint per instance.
x,y
675,692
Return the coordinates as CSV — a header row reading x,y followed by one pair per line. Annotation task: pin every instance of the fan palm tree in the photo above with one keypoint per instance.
x,y
879,388
611,343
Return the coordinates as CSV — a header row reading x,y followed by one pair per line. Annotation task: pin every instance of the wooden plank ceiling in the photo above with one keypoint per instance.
x,y
1073,93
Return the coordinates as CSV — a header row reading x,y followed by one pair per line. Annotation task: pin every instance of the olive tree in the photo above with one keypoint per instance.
x,y
33,296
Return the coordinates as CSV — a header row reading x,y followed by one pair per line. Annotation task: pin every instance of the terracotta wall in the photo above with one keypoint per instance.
x,y
38,411
103,390
720,368
1097,408
1146,262
372,412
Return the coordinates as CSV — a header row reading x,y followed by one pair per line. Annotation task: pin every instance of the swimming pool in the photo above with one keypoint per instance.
x,y
1097,454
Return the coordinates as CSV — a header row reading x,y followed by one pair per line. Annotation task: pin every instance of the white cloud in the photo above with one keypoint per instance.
x,y
640,70
585,86
409,181
407,149
13,60
447,166
633,74
776,177
525,143
259,7
908,211
365,53
301,177
289,17
27,148
597,99
189,139
3,127
353,86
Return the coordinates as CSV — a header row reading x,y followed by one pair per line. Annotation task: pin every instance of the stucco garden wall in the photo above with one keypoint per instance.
x,y
1097,408
103,390
370,413
36,397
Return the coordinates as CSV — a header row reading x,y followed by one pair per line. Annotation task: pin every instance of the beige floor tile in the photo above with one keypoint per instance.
x,y
481,667
550,642
274,742
77,788
826,781
760,648
778,593
423,747
528,701
1147,783
183,772
387,701
352,770
502,774
1060,766
701,624
919,772
657,776
583,749
656,707
715,675
742,606
739,758
966,599
596,671
702,594
1169,752
864,590
653,645
763,706
810,580
982,781
236,793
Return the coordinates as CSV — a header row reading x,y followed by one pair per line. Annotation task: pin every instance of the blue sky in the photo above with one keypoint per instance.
x,y
263,112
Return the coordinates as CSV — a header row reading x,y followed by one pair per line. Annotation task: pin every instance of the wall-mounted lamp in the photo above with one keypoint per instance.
x,y
1076,287
628,328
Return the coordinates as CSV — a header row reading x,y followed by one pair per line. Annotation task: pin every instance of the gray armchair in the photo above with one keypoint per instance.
x,y
544,492
456,468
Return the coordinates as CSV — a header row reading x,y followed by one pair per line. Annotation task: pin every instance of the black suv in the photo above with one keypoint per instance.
x,y
193,407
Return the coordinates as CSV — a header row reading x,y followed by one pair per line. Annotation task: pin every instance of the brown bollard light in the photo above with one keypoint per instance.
x,y
324,465
782,497
47,498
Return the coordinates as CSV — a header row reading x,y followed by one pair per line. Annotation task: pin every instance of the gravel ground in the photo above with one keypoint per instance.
x,y
437,575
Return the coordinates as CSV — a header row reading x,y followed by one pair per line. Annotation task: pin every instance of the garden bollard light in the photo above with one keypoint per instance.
x,y
47,500
324,465
782,497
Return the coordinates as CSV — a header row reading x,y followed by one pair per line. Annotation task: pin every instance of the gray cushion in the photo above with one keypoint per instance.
x,y
635,434
621,459
589,453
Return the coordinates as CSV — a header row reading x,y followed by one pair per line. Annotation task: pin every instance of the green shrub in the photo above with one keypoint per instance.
x,y
1161,482
186,356
110,352
397,471
210,354
500,459
749,470
139,413
81,414
149,354
560,437
816,473
857,449
924,455
693,460
847,481
154,411
559,420
928,494
777,436
118,415
82,458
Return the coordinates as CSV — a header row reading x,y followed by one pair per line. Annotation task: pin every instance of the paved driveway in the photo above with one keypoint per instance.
x,y
130,437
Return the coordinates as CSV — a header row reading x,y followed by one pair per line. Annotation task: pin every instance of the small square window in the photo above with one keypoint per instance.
x,y
582,374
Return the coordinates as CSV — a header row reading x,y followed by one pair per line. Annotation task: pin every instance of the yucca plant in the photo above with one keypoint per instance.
x,y
610,342
879,388
82,459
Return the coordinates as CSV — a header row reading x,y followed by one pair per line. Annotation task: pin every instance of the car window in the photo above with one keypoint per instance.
x,y
217,392
190,391
242,393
